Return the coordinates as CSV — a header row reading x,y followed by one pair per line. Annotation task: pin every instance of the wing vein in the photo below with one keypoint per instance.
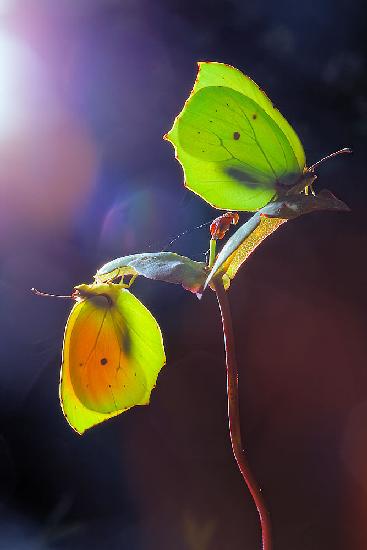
x,y
96,340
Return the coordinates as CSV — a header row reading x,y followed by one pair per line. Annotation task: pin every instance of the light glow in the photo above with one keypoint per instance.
x,y
20,82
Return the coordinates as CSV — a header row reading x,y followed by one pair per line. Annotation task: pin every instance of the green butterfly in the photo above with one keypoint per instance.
x,y
236,149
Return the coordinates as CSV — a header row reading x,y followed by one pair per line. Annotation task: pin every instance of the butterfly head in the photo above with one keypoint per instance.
x,y
104,294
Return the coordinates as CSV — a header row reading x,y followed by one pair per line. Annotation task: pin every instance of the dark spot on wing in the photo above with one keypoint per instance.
x,y
242,176
236,135
80,364
109,385
126,342
102,301
254,116
104,361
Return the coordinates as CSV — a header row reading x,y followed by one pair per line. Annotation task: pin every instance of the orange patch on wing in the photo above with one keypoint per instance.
x,y
103,377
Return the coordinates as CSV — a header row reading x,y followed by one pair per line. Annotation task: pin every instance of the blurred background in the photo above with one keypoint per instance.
x,y
87,89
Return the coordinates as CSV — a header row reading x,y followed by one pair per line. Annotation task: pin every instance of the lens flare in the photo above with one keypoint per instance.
x,y
20,77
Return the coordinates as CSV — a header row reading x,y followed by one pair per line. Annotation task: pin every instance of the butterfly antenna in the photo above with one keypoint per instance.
x,y
185,233
47,295
340,152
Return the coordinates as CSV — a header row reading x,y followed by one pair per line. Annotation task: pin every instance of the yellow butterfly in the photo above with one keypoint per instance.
x,y
112,354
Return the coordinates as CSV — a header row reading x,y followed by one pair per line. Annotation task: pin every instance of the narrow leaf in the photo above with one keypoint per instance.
x,y
262,224
160,266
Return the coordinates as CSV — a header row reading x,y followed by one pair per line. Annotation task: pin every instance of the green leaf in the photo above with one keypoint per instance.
x,y
236,149
112,354
160,266
262,224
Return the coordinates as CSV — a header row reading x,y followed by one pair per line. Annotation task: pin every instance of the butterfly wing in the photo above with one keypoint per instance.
x,y
112,355
234,146
220,74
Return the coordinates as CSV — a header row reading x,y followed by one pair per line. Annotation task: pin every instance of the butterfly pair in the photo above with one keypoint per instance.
x,y
238,152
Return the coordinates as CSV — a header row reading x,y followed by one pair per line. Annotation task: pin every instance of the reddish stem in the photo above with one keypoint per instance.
x,y
234,416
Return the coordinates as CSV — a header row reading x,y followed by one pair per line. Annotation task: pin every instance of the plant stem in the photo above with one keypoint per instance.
x,y
212,251
234,415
